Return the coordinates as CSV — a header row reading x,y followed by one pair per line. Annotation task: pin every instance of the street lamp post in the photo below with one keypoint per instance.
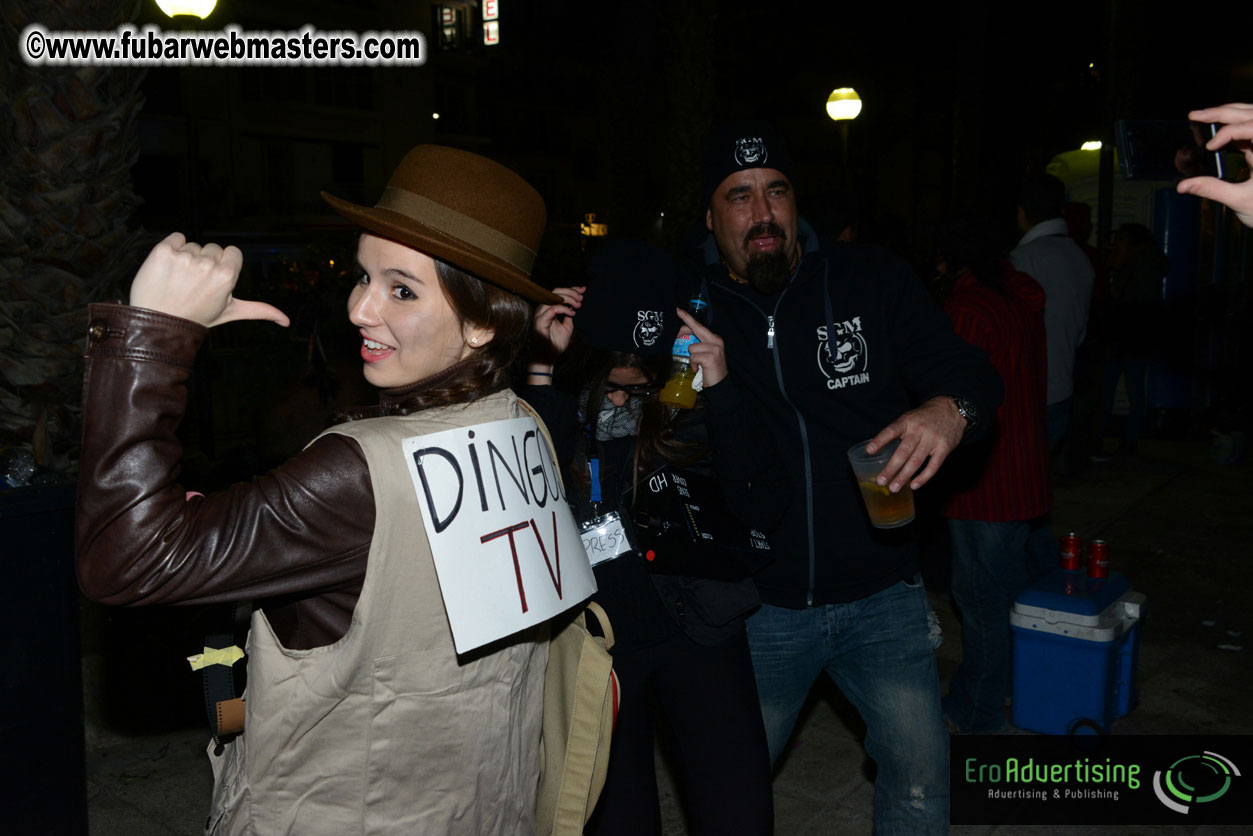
x,y
843,105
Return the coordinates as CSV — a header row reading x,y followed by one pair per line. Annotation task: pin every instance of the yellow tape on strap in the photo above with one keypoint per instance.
x,y
212,656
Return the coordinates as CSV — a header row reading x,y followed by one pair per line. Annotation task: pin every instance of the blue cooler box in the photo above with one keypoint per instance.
x,y
1076,641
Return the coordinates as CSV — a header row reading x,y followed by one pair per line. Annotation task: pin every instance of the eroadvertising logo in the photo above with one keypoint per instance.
x,y
1194,779
1100,779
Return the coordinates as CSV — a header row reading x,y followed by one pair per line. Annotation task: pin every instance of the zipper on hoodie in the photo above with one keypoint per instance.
x,y
800,420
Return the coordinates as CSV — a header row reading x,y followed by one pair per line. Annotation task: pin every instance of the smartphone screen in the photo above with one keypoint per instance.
x,y
1165,149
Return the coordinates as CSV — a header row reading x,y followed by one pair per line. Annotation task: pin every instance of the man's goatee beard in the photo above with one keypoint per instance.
x,y
769,273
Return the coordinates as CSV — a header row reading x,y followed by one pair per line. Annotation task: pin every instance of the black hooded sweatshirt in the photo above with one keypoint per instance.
x,y
892,349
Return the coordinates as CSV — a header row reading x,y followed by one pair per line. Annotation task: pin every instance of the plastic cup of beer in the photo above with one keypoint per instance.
x,y
886,509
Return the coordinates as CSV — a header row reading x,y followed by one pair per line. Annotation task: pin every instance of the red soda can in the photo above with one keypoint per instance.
x,y
1098,559
1072,552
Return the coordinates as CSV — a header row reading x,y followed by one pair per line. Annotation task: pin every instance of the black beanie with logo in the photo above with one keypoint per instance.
x,y
630,300
736,147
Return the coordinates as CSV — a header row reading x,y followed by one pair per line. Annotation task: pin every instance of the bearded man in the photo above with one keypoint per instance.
x,y
836,346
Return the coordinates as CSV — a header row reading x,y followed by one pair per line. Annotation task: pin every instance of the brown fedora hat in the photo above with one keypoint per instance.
x,y
464,209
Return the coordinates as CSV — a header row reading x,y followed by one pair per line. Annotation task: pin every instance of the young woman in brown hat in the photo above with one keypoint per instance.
x,y
360,717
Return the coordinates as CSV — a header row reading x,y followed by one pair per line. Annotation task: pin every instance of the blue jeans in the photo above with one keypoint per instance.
x,y
878,652
990,568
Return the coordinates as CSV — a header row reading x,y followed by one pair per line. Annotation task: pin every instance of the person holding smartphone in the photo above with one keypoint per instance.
x,y
1237,122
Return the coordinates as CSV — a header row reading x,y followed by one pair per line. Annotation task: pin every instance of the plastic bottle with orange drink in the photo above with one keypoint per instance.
x,y
678,390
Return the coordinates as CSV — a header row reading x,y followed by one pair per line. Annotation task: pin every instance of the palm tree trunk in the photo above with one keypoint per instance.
x,y
67,146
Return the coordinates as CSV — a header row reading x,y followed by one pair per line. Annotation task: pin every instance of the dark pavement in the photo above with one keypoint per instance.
x,y
1179,526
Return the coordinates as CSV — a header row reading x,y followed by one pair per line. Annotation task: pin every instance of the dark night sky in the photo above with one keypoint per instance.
x,y
1028,86
621,88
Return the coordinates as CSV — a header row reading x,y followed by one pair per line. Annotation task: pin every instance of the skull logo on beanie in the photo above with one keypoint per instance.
x,y
738,146
648,328
630,300
751,151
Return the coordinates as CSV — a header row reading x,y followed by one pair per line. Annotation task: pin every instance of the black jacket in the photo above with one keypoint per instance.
x,y
638,602
893,349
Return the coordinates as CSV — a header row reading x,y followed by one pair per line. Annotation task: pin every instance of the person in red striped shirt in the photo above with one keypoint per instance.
x,y
999,484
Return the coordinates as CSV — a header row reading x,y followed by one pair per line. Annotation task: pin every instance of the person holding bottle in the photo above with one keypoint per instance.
x,y
834,345
680,641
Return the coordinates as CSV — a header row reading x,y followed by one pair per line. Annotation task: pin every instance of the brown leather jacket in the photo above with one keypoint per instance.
x,y
141,539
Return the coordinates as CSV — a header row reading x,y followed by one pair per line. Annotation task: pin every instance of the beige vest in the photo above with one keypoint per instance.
x,y
386,731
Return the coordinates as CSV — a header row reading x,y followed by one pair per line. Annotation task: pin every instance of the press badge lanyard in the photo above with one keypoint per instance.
x,y
593,468
604,535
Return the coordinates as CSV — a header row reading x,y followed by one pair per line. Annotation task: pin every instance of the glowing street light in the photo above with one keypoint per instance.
x,y
195,8
843,103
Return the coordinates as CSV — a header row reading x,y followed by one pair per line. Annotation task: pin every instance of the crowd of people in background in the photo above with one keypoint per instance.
x,y
806,344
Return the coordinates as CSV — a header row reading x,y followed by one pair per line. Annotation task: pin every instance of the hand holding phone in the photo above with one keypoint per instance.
x,y
1236,122
1165,149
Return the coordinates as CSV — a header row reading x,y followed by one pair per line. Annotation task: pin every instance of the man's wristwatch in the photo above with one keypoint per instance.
x,y
967,410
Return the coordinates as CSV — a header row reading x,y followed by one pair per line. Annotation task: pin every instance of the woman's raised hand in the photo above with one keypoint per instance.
x,y
196,282
554,324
